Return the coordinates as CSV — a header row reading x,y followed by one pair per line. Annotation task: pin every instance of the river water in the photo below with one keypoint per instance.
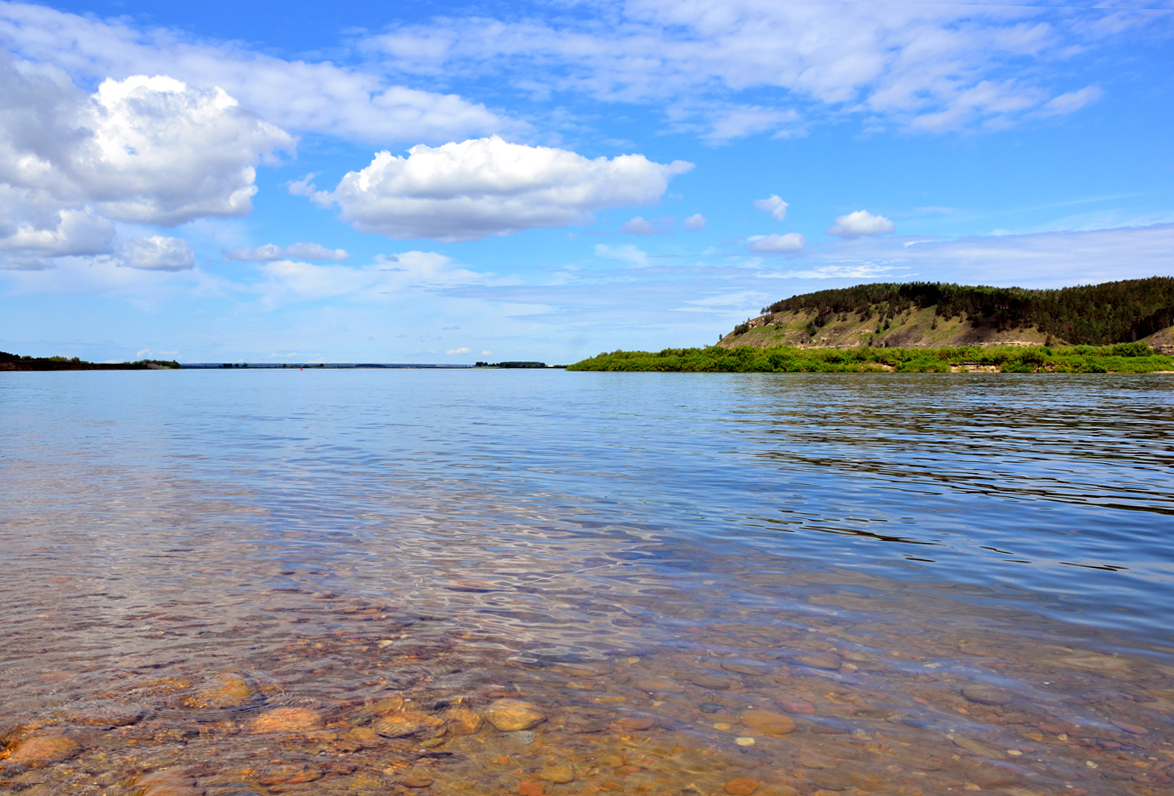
x,y
542,582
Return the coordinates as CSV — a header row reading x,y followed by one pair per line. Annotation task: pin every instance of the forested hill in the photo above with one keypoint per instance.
x,y
940,314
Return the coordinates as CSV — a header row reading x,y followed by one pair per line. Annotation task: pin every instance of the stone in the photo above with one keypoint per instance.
x,y
713,681
1130,728
224,691
768,722
987,694
106,715
416,779
657,685
976,748
287,774
406,724
742,786
42,750
558,774
287,720
165,776
521,737
800,706
462,721
744,740
509,715
637,723
174,790
742,667
709,707
531,787
820,660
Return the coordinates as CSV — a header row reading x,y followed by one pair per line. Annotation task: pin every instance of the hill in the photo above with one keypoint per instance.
x,y
936,315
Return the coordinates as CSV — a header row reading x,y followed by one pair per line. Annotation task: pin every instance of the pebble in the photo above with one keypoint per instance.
x,y
405,724
657,685
224,691
742,786
769,722
714,681
531,787
44,749
745,668
638,723
709,707
1130,728
974,747
522,737
462,721
557,774
800,706
106,715
287,720
415,780
287,774
820,660
166,776
509,715
744,741
987,694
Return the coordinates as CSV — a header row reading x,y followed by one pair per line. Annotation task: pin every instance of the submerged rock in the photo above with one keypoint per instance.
x,y
462,721
987,694
287,720
406,724
42,750
768,722
558,774
224,691
509,715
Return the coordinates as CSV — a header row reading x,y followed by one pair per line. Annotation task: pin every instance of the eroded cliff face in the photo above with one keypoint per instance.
x,y
911,329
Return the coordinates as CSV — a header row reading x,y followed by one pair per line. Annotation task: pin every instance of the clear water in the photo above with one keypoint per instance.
x,y
641,557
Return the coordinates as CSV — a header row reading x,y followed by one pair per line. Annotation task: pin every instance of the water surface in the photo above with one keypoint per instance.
x,y
258,579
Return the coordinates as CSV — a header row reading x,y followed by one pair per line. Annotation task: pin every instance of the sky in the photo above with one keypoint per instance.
x,y
443,182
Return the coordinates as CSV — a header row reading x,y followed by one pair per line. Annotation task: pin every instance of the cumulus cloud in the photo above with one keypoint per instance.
x,y
639,226
777,244
143,150
489,187
271,252
773,205
458,351
860,223
158,253
299,95
629,254
694,223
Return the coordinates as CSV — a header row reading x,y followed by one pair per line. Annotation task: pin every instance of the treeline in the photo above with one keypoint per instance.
x,y
17,362
1111,312
1119,358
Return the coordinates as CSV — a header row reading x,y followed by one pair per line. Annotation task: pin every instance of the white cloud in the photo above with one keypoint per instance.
x,y
271,252
457,351
1072,101
389,277
142,150
158,253
925,66
862,222
773,205
297,95
639,226
485,187
694,223
777,244
628,254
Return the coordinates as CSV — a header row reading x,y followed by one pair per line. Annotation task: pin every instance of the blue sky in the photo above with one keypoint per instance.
x,y
445,182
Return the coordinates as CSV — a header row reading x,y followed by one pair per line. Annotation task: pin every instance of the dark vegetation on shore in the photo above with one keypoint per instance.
x,y
1104,314
1119,358
17,362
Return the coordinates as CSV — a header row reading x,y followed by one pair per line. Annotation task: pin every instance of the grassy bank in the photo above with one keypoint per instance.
x,y
1119,358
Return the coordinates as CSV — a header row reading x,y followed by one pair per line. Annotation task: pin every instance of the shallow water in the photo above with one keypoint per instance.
x,y
294,582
